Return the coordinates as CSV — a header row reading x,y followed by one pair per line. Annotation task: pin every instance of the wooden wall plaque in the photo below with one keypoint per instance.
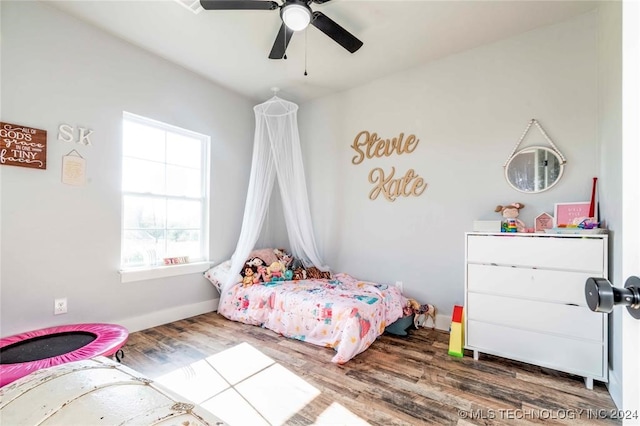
x,y
23,146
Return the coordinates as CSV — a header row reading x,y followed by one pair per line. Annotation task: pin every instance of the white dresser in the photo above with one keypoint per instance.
x,y
524,300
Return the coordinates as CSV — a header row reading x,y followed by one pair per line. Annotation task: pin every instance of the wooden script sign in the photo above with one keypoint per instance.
x,y
23,146
369,145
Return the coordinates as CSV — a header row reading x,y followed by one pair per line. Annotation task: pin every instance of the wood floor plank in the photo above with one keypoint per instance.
x,y
397,381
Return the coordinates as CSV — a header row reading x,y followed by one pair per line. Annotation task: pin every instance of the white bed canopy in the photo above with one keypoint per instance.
x,y
276,152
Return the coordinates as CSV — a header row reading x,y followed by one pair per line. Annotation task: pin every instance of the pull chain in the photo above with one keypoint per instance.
x,y
284,28
305,51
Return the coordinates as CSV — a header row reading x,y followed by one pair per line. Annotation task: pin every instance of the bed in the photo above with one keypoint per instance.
x,y
340,312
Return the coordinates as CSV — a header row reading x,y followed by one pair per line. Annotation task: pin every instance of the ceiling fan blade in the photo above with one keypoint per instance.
x,y
341,36
238,5
320,1
282,41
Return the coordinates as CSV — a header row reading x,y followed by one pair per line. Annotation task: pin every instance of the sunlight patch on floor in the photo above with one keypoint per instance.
x,y
232,408
239,362
336,414
242,386
196,382
277,393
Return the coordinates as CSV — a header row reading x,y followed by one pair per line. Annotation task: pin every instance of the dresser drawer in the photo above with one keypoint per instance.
x,y
573,254
553,318
528,283
582,357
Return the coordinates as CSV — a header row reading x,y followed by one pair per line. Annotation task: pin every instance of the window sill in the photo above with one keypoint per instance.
x,y
141,274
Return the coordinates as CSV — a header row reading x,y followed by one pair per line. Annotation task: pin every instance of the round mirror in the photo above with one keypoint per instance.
x,y
534,169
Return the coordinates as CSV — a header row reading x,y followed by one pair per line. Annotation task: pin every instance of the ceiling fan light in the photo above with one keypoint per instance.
x,y
296,17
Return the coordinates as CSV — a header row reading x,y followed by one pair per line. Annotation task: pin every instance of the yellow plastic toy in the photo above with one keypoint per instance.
x,y
456,335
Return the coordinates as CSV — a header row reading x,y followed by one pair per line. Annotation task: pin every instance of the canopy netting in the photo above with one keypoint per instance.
x,y
276,152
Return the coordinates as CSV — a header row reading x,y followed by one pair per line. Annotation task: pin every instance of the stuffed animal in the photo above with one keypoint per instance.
x,y
296,264
284,257
315,273
511,223
300,274
423,313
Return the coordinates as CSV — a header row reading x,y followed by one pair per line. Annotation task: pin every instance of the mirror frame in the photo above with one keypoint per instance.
x,y
529,148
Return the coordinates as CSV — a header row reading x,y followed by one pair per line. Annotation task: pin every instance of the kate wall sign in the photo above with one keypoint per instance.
x,y
369,145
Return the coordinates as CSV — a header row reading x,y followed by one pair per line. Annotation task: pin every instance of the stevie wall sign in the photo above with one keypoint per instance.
x,y
369,145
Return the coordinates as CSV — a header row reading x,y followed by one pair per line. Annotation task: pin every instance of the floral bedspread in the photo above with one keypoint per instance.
x,y
341,313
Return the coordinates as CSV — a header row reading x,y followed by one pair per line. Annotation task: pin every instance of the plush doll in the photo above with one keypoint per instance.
x,y
263,274
253,263
275,270
248,277
511,223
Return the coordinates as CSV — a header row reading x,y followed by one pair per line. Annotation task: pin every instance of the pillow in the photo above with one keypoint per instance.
x,y
266,254
219,273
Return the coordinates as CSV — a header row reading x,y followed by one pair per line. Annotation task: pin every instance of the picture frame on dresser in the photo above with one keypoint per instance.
x,y
567,213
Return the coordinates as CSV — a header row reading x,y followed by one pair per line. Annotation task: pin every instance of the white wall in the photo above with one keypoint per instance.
x,y
468,110
64,241
610,182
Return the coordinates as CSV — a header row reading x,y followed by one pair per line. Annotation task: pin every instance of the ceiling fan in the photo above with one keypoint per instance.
x,y
296,15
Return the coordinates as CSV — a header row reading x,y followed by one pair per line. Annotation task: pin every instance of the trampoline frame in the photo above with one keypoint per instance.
x,y
109,339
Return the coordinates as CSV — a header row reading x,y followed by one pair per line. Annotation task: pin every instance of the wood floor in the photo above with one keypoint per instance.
x,y
397,381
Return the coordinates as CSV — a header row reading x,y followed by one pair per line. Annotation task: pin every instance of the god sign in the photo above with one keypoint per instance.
x,y
23,146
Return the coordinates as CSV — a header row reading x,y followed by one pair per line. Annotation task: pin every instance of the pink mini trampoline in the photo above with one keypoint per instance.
x,y
23,353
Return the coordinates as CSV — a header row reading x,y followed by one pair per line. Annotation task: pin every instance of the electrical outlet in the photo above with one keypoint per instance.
x,y
399,286
60,306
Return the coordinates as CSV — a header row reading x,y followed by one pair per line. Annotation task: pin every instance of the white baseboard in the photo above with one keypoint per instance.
x,y
165,316
443,322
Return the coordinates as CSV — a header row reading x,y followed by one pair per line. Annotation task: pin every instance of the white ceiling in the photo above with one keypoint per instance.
x,y
231,47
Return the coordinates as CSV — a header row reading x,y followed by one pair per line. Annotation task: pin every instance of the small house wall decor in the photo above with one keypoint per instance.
x,y
23,146
543,221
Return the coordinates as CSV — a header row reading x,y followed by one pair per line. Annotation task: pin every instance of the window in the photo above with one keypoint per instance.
x,y
165,193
